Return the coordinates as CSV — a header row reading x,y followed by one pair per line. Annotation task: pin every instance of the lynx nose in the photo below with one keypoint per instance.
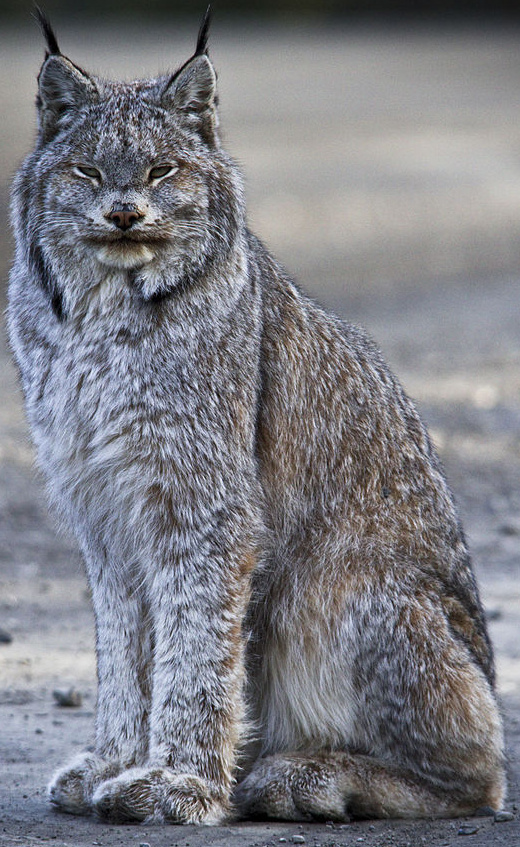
x,y
124,215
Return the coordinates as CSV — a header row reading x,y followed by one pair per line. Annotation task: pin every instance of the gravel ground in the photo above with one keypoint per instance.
x,y
383,168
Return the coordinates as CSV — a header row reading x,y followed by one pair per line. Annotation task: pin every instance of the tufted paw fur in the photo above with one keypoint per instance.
x,y
72,787
291,789
158,795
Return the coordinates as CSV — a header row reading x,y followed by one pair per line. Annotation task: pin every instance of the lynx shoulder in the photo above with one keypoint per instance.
x,y
268,535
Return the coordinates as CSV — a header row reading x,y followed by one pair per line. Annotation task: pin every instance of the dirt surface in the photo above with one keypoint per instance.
x,y
384,170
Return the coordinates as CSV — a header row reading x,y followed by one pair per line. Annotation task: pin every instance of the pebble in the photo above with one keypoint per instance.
x,y
510,528
68,697
485,812
468,829
298,839
494,614
502,816
5,637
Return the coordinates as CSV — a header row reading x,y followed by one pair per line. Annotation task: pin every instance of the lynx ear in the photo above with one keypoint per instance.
x,y
192,90
63,88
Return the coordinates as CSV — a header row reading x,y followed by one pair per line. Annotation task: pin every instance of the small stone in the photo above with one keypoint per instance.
x,y
144,844
468,829
502,816
5,637
509,528
485,812
298,839
68,697
283,840
494,614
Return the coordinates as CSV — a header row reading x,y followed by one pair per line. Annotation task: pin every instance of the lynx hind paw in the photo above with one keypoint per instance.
x,y
157,795
73,786
294,789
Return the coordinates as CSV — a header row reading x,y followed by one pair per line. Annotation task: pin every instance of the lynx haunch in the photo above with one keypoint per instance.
x,y
287,621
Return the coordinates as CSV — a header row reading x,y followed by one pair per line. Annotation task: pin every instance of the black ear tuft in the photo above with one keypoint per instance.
x,y
46,28
202,38
191,90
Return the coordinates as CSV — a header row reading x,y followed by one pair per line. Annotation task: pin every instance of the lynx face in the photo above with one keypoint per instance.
x,y
130,176
130,197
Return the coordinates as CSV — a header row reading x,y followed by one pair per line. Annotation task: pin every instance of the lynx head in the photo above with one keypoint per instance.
x,y
129,176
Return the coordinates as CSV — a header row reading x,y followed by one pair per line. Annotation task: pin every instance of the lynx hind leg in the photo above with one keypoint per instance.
x,y
426,713
340,786
158,795
444,762
73,786
293,788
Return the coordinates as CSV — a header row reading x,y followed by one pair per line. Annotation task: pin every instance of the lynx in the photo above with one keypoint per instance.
x,y
287,621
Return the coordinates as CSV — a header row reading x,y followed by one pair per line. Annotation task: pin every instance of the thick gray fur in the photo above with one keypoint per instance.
x,y
282,591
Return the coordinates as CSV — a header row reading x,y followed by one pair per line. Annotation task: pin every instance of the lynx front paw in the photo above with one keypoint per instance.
x,y
291,788
72,787
158,795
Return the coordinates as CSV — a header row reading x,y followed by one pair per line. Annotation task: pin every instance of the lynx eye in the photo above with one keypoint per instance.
x,y
161,171
87,171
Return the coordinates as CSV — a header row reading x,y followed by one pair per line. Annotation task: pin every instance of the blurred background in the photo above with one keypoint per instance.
x,y
317,9
380,143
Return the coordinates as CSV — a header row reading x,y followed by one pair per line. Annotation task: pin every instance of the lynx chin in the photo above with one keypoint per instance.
x,y
287,621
